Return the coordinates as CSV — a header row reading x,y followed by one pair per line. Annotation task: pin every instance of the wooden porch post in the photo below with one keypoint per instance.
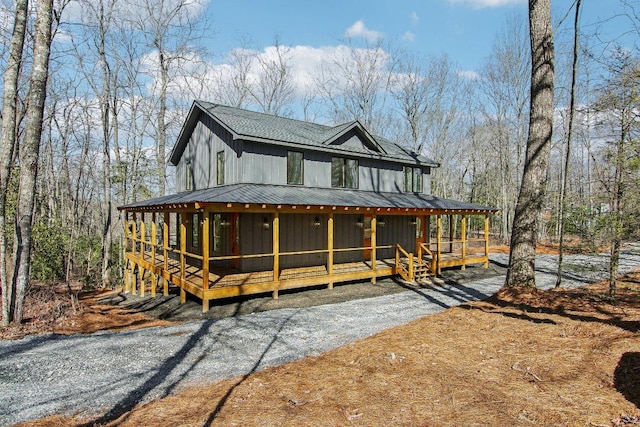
x,y
142,251
154,244
438,241
127,271
183,250
165,250
205,260
463,235
276,252
374,223
450,234
330,249
134,231
486,241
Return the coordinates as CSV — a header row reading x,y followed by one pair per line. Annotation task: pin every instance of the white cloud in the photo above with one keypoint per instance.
x,y
415,18
409,36
479,4
468,74
360,30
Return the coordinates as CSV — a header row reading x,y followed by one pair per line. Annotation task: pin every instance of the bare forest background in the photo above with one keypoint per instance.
x,y
122,75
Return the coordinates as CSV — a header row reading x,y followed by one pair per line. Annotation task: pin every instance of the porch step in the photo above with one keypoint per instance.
x,y
421,271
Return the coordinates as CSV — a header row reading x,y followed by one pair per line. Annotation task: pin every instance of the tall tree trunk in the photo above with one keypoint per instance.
x,y
617,201
162,126
29,152
532,188
567,159
9,116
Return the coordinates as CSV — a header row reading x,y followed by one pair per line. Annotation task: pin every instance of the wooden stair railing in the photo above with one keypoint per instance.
x,y
423,250
404,269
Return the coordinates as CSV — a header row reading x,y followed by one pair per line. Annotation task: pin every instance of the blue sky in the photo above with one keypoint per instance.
x,y
463,29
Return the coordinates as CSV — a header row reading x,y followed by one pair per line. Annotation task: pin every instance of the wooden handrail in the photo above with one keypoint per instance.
x,y
407,274
434,258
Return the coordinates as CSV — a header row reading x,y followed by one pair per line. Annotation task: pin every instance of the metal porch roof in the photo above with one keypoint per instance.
x,y
297,195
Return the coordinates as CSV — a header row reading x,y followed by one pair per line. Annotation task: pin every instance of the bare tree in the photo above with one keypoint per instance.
x,y
506,89
354,85
233,80
7,141
29,152
273,90
574,72
169,27
619,101
529,207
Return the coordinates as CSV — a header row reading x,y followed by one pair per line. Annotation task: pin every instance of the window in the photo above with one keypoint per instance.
x,y
344,172
195,232
215,221
220,171
412,179
188,183
295,170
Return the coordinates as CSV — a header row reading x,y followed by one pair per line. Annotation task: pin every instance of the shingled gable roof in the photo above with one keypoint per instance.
x,y
264,128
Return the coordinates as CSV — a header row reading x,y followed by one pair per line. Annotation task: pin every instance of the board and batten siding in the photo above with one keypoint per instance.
x,y
396,230
251,162
206,140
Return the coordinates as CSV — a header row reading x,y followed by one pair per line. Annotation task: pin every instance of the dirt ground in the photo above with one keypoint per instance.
x,y
539,358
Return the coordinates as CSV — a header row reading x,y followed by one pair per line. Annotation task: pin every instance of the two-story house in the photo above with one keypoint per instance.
x,y
266,203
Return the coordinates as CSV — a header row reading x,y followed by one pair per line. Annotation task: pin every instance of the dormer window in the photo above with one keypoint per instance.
x,y
344,172
412,180
295,168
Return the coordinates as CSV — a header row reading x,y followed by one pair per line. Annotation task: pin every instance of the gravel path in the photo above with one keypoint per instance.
x,y
106,374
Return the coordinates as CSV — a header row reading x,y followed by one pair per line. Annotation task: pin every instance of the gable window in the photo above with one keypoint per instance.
x,y
412,179
344,172
220,168
188,183
295,169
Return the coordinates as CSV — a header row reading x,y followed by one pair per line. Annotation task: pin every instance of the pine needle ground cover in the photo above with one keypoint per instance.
x,y
560,357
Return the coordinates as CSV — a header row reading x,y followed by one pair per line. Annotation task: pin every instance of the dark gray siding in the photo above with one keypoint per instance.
x,y
255,239
207,139
251,162
298,233
265,164
396,229
347,234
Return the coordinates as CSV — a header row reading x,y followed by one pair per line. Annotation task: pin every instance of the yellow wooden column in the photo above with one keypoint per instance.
x,y
165,252
134,232
276,252
330,249
374,223
205,261
438,242
463,235
142,251
127,271
486,241
154,244
183,250
450,234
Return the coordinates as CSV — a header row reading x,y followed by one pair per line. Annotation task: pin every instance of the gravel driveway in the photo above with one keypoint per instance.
x,y
106,374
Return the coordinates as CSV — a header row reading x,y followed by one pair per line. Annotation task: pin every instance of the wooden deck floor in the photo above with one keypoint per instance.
x,y
224,283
